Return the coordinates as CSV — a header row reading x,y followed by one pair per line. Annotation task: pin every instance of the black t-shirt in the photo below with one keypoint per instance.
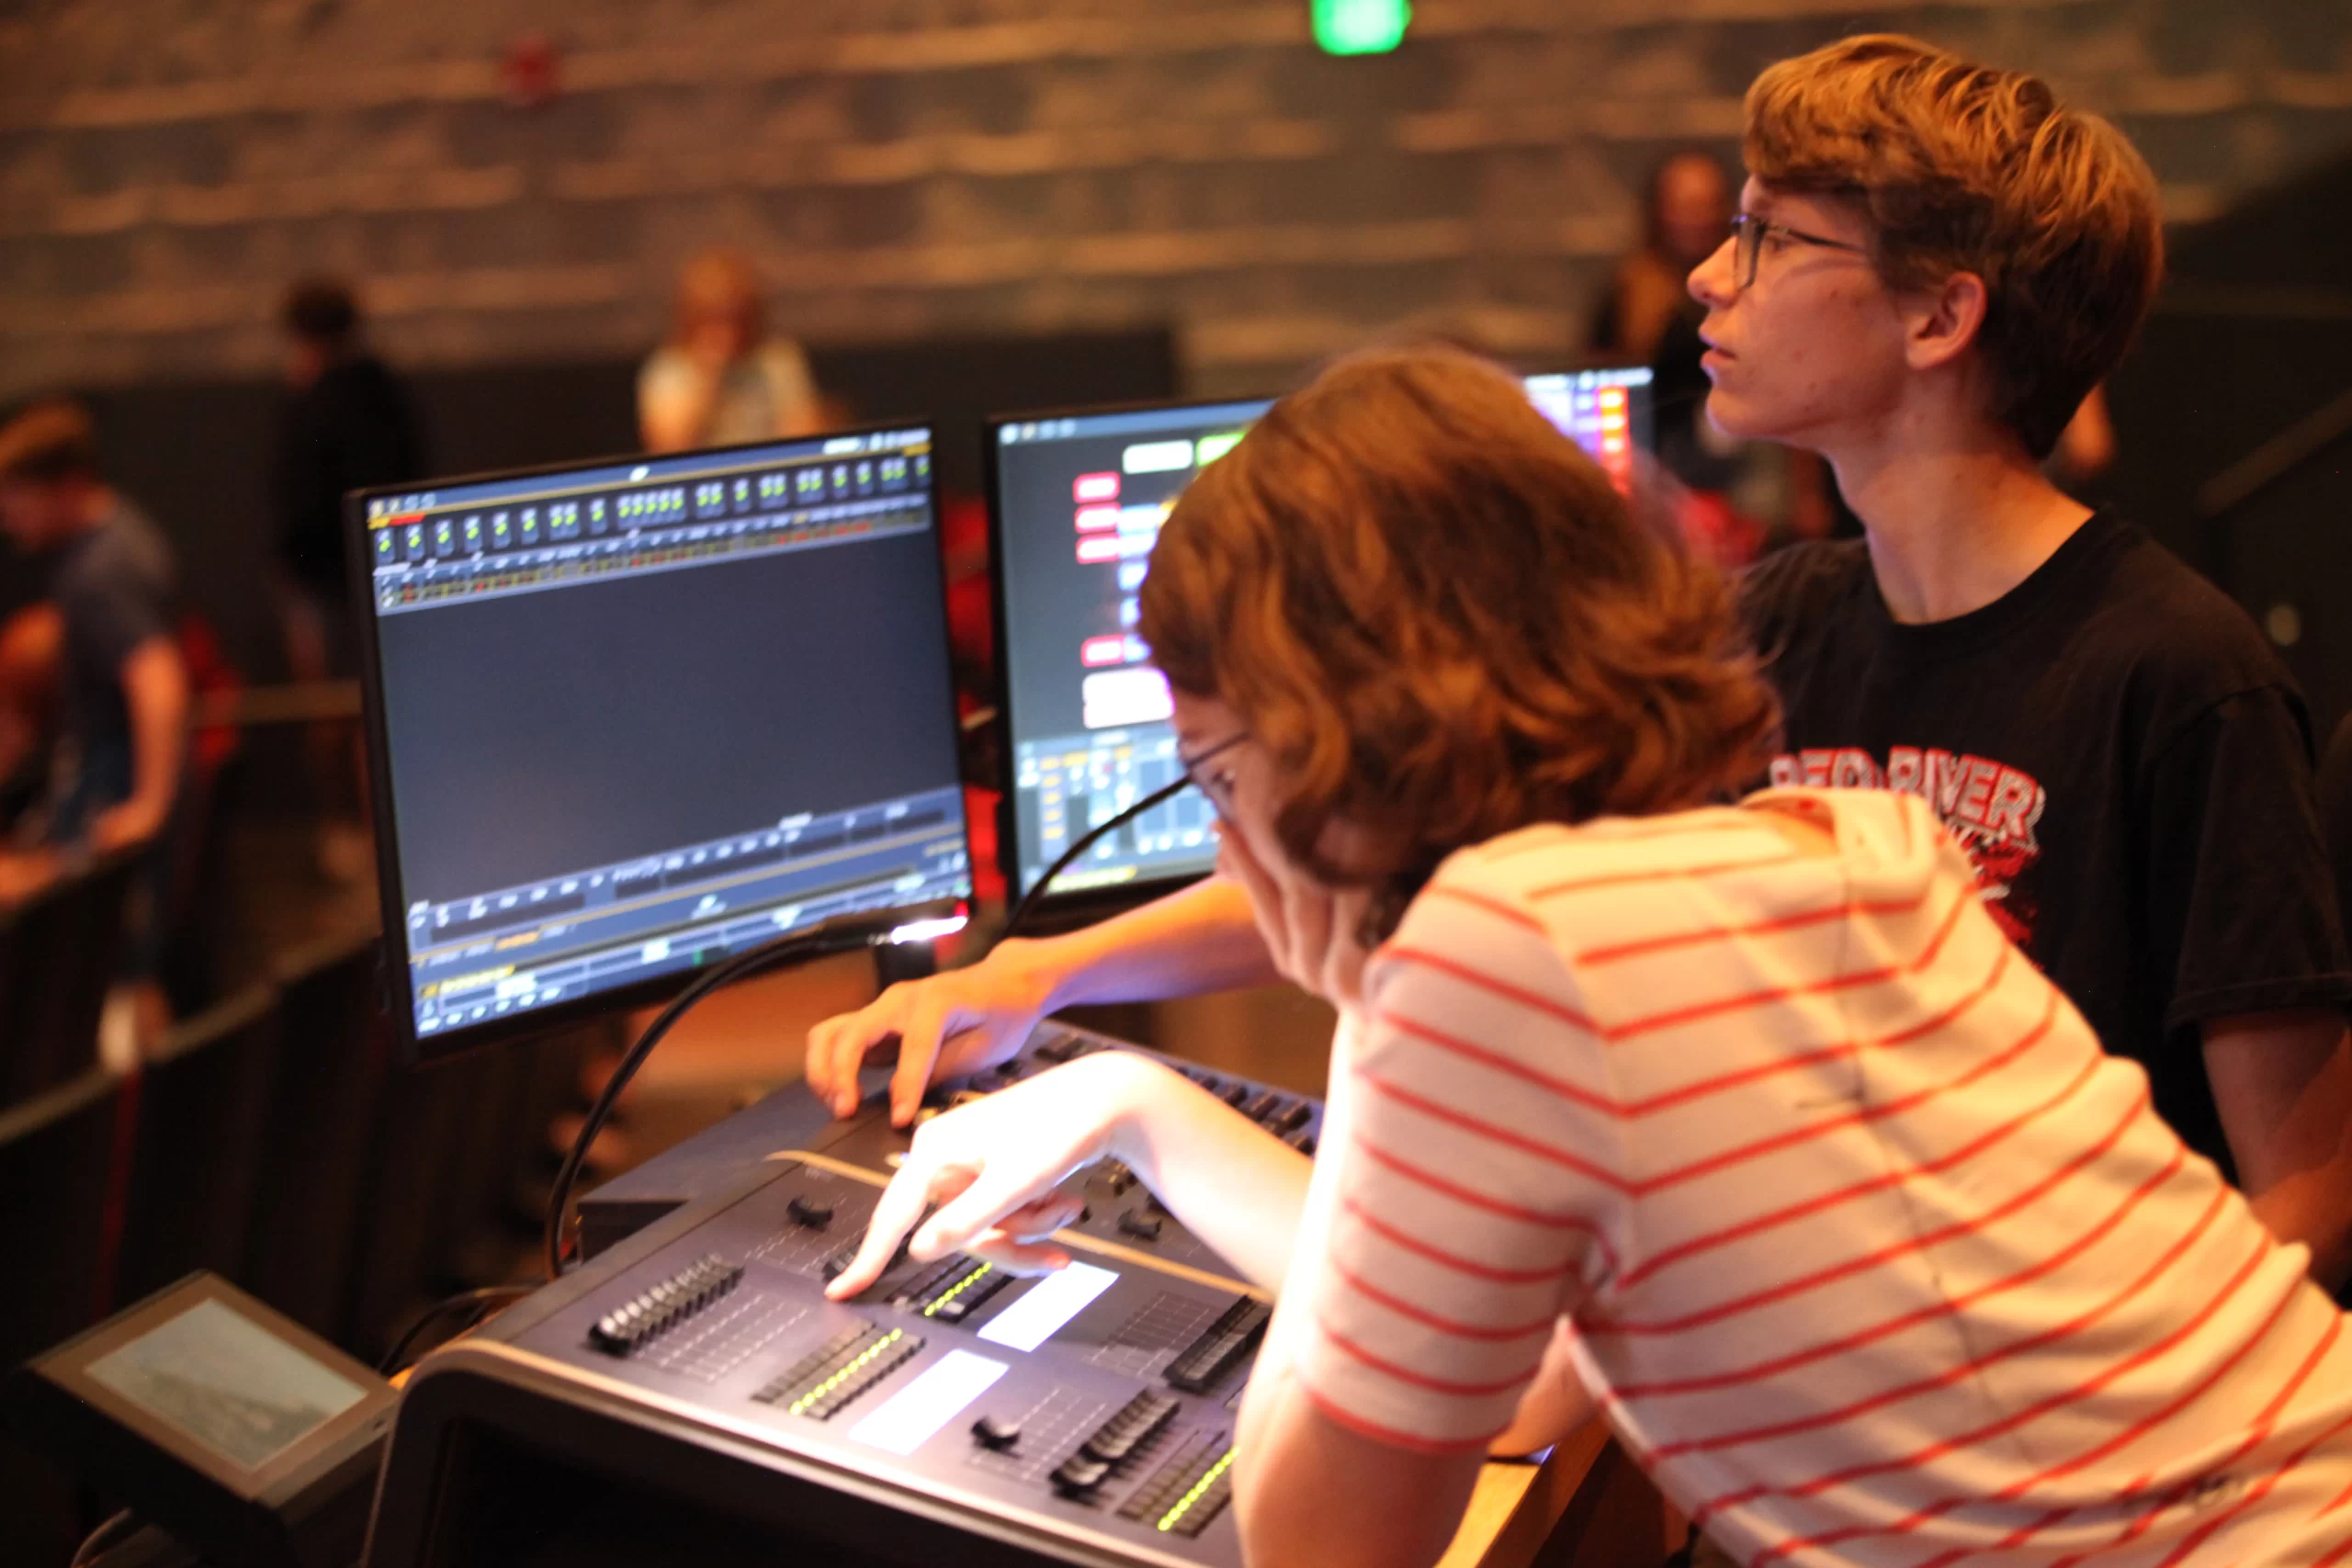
x,y
352,428
2126,763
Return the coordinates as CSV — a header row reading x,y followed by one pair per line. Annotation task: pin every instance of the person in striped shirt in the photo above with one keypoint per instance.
x,y
1745,1124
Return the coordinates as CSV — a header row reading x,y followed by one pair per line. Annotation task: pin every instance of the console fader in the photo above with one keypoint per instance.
x,y
1085,1415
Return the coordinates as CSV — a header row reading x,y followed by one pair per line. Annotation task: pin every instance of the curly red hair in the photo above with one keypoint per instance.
x,y
1441,620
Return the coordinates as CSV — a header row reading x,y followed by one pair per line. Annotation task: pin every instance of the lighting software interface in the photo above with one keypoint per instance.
x,y
639,715
1078,504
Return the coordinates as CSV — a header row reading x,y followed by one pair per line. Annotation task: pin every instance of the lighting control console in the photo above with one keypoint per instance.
x,y
1085,1415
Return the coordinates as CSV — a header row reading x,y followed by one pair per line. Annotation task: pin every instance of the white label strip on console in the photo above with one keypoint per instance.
x,y
1052,1302
906,1420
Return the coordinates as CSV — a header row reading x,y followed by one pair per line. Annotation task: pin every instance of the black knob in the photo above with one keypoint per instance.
x,y
1137,1225
994,1432
813,1212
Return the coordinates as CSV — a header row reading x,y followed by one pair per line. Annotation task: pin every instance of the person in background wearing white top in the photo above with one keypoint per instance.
x,y
1745,1125
720,379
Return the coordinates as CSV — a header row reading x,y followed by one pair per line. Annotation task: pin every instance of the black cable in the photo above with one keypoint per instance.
x,y
845,935
1037,888
487,1296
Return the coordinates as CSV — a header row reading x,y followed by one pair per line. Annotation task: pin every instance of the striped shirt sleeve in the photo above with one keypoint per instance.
x,y
1469,1200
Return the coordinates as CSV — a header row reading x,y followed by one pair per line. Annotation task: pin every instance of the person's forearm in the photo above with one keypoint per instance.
x,y
2309,1207
1200,939
1226,1179
1553,1405
154,687
2282,1083
1307,1491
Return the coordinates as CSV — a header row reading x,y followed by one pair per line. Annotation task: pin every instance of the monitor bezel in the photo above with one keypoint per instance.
x,y
411,1049
1079,905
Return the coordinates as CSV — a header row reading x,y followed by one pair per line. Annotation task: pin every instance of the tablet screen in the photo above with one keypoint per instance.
x,y
225,1381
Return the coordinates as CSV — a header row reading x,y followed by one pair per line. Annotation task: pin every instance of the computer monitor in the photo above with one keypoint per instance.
x,y
1075,501
631,717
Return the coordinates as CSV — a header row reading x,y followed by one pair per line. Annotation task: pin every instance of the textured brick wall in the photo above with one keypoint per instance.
x,y
907,166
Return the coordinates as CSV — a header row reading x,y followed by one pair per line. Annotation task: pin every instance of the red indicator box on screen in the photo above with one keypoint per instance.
x,y
1095,549
1091,519
1097,487
1097,651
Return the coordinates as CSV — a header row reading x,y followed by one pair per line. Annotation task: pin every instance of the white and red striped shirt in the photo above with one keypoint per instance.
x,y
1874,1256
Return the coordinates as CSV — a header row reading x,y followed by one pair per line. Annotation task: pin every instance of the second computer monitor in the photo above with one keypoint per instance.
x,y
1076,500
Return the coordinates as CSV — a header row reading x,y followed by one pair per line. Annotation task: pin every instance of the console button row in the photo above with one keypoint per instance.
x,y
957,1289
1137,1422
845,1367
1279,1112
1221,1345
1188,1492
664,1306
1062,1047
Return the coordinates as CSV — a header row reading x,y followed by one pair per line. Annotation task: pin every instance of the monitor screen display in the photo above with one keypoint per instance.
x,y
1076,502
631,717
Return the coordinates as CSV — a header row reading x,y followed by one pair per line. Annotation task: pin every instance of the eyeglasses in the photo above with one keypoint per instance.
x,y
1220,793
1748,233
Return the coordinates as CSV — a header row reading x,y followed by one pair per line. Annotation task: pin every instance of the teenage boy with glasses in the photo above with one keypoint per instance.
x,y
1934,264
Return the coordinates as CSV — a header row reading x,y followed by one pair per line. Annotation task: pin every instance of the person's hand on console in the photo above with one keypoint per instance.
x,y
991,1168
1201,938
957,1023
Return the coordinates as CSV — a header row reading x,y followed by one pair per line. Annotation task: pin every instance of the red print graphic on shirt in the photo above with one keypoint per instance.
x,y
1991,807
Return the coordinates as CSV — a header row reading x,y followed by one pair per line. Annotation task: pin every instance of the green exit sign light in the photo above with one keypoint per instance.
x,y
1359,26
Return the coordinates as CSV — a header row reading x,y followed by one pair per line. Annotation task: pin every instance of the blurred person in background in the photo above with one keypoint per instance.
x,y
2085,449
1739,493
348,422
31,645
105,650
1686,214
720,378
